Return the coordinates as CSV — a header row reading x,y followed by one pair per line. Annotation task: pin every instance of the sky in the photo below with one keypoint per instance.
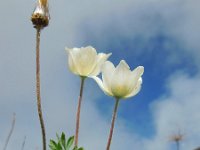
x,y
161,35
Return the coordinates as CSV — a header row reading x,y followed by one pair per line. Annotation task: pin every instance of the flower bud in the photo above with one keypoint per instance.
x,y
40,17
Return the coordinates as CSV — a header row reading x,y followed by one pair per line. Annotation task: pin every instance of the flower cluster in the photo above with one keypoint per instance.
x,y
119,82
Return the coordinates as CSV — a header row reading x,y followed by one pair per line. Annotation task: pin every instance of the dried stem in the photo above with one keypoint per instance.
x,y
177,138
38,88
112,124
177,145
78,111
11,131
23,144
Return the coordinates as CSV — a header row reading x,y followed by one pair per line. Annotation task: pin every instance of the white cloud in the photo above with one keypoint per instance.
x,y
178,110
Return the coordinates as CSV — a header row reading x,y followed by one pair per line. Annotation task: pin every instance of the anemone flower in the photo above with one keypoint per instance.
x,y
120,83
84,62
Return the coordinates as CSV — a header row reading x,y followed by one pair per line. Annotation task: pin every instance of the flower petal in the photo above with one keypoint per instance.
x,y
71,62
135,76
107,72
121,83
136,89
86,60
100,83
101,58
139,71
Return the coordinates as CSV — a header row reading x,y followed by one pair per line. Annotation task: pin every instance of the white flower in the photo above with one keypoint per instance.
x,y
120,82
85,61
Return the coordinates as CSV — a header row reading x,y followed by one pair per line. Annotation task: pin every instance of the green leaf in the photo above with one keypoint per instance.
x,y
59,147
63,144
70,141
62,139
53,145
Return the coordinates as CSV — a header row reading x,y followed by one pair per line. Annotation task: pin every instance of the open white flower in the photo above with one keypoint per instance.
x,y
120,82
85,61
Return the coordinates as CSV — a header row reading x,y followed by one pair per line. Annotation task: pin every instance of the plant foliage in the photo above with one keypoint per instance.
x,y
63,144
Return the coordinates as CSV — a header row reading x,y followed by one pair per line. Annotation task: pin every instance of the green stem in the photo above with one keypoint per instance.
x,y
38,88
79,111
112,124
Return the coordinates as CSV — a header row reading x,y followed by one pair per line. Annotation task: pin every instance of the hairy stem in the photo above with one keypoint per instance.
x,y
10,133
38,88
112,124
78,111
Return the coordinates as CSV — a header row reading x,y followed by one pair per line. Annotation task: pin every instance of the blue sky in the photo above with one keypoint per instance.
x,y
161,35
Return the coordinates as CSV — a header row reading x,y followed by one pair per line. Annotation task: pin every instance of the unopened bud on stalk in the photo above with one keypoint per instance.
x,y
40,17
